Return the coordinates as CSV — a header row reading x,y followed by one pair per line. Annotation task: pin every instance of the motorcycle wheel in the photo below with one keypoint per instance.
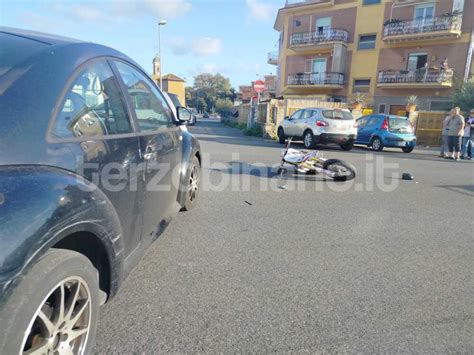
x,y
340,167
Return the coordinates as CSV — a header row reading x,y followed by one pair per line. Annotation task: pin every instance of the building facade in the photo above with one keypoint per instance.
x,y
387,49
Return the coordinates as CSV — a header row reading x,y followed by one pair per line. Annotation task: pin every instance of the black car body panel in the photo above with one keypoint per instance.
x,y
45,191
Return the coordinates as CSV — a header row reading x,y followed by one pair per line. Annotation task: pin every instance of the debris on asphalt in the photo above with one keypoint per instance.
x,y
248,203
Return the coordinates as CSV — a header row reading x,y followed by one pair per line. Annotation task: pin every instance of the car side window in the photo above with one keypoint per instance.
x,y
151,109
93,106
307,114
297,115
361,122
372,121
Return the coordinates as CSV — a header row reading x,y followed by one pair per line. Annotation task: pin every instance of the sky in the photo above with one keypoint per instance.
x,y
231,37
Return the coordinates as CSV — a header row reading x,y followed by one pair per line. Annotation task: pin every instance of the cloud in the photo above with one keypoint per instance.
x,y
261,11
112,11
86,13
167,8
199,47
206,46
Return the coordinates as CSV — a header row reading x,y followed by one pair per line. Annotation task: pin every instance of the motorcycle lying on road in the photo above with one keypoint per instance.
x,y
311,162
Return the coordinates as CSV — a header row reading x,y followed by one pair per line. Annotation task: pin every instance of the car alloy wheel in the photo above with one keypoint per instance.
x,y
377,144
308,140
62,322
194,183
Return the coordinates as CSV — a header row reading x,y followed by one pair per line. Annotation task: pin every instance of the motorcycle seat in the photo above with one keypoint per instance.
x,y
294,156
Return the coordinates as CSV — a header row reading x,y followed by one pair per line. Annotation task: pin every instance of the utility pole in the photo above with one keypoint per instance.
x,y
160,23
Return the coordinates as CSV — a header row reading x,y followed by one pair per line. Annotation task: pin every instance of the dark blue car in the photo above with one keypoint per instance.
x,y
94,162
379,131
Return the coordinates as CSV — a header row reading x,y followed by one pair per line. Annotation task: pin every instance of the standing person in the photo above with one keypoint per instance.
x,y
444,65
468,138
444,153
455,132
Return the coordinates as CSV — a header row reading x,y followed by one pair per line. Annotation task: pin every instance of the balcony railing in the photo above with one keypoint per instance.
x,y
420,26
272,58
317,37
270,88
290,3
419,76
318,79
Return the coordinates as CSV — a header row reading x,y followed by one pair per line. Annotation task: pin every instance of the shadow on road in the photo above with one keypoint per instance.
x,y
467,190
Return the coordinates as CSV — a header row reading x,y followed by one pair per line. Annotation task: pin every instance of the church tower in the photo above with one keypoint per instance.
x,y
156,69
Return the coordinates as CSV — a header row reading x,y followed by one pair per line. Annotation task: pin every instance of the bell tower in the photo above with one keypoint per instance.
x,y
156,69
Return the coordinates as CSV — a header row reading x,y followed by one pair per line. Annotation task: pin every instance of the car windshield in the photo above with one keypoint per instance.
x,y
337,114
400,125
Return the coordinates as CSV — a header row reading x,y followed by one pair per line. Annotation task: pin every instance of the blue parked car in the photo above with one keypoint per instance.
x,y
379,131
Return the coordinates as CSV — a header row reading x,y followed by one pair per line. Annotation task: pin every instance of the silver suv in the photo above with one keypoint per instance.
x,y
320,126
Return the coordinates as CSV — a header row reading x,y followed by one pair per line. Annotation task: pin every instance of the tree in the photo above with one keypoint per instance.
x,y
190,97
463,96
201,105
210,89
223,105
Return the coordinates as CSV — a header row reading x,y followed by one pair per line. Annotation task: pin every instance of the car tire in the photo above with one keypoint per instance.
x,y
194,185
377,144
32,316
408,149
347,146
281,136
308,140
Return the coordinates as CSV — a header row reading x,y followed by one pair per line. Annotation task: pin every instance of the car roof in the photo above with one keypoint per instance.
x,y
38,36
325,108
381,115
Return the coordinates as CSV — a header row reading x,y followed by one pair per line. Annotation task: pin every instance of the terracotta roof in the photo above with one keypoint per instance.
x,y
172,77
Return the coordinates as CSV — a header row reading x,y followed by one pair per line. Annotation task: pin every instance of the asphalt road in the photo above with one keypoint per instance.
x,y
304,264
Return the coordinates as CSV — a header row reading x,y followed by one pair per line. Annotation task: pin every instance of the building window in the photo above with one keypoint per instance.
x,y
367,41
417,61
371,2
424,12
382,108
441,105
361,85
297,23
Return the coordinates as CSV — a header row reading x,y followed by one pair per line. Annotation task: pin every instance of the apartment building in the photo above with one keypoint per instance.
x,y
388,49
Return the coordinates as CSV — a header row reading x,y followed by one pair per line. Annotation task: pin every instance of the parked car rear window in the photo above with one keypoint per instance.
x,y
338,114
400,125
15,50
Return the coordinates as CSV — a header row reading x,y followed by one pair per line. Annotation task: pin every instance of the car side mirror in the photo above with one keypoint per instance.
x,y
288,118
184,115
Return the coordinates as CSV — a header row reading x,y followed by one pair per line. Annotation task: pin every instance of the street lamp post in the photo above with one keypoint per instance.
x,y
160,23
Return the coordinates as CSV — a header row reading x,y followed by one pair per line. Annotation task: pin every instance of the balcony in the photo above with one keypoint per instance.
x,y
293,3
318,39
270,88
272,58
323,80
422,29
420,78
